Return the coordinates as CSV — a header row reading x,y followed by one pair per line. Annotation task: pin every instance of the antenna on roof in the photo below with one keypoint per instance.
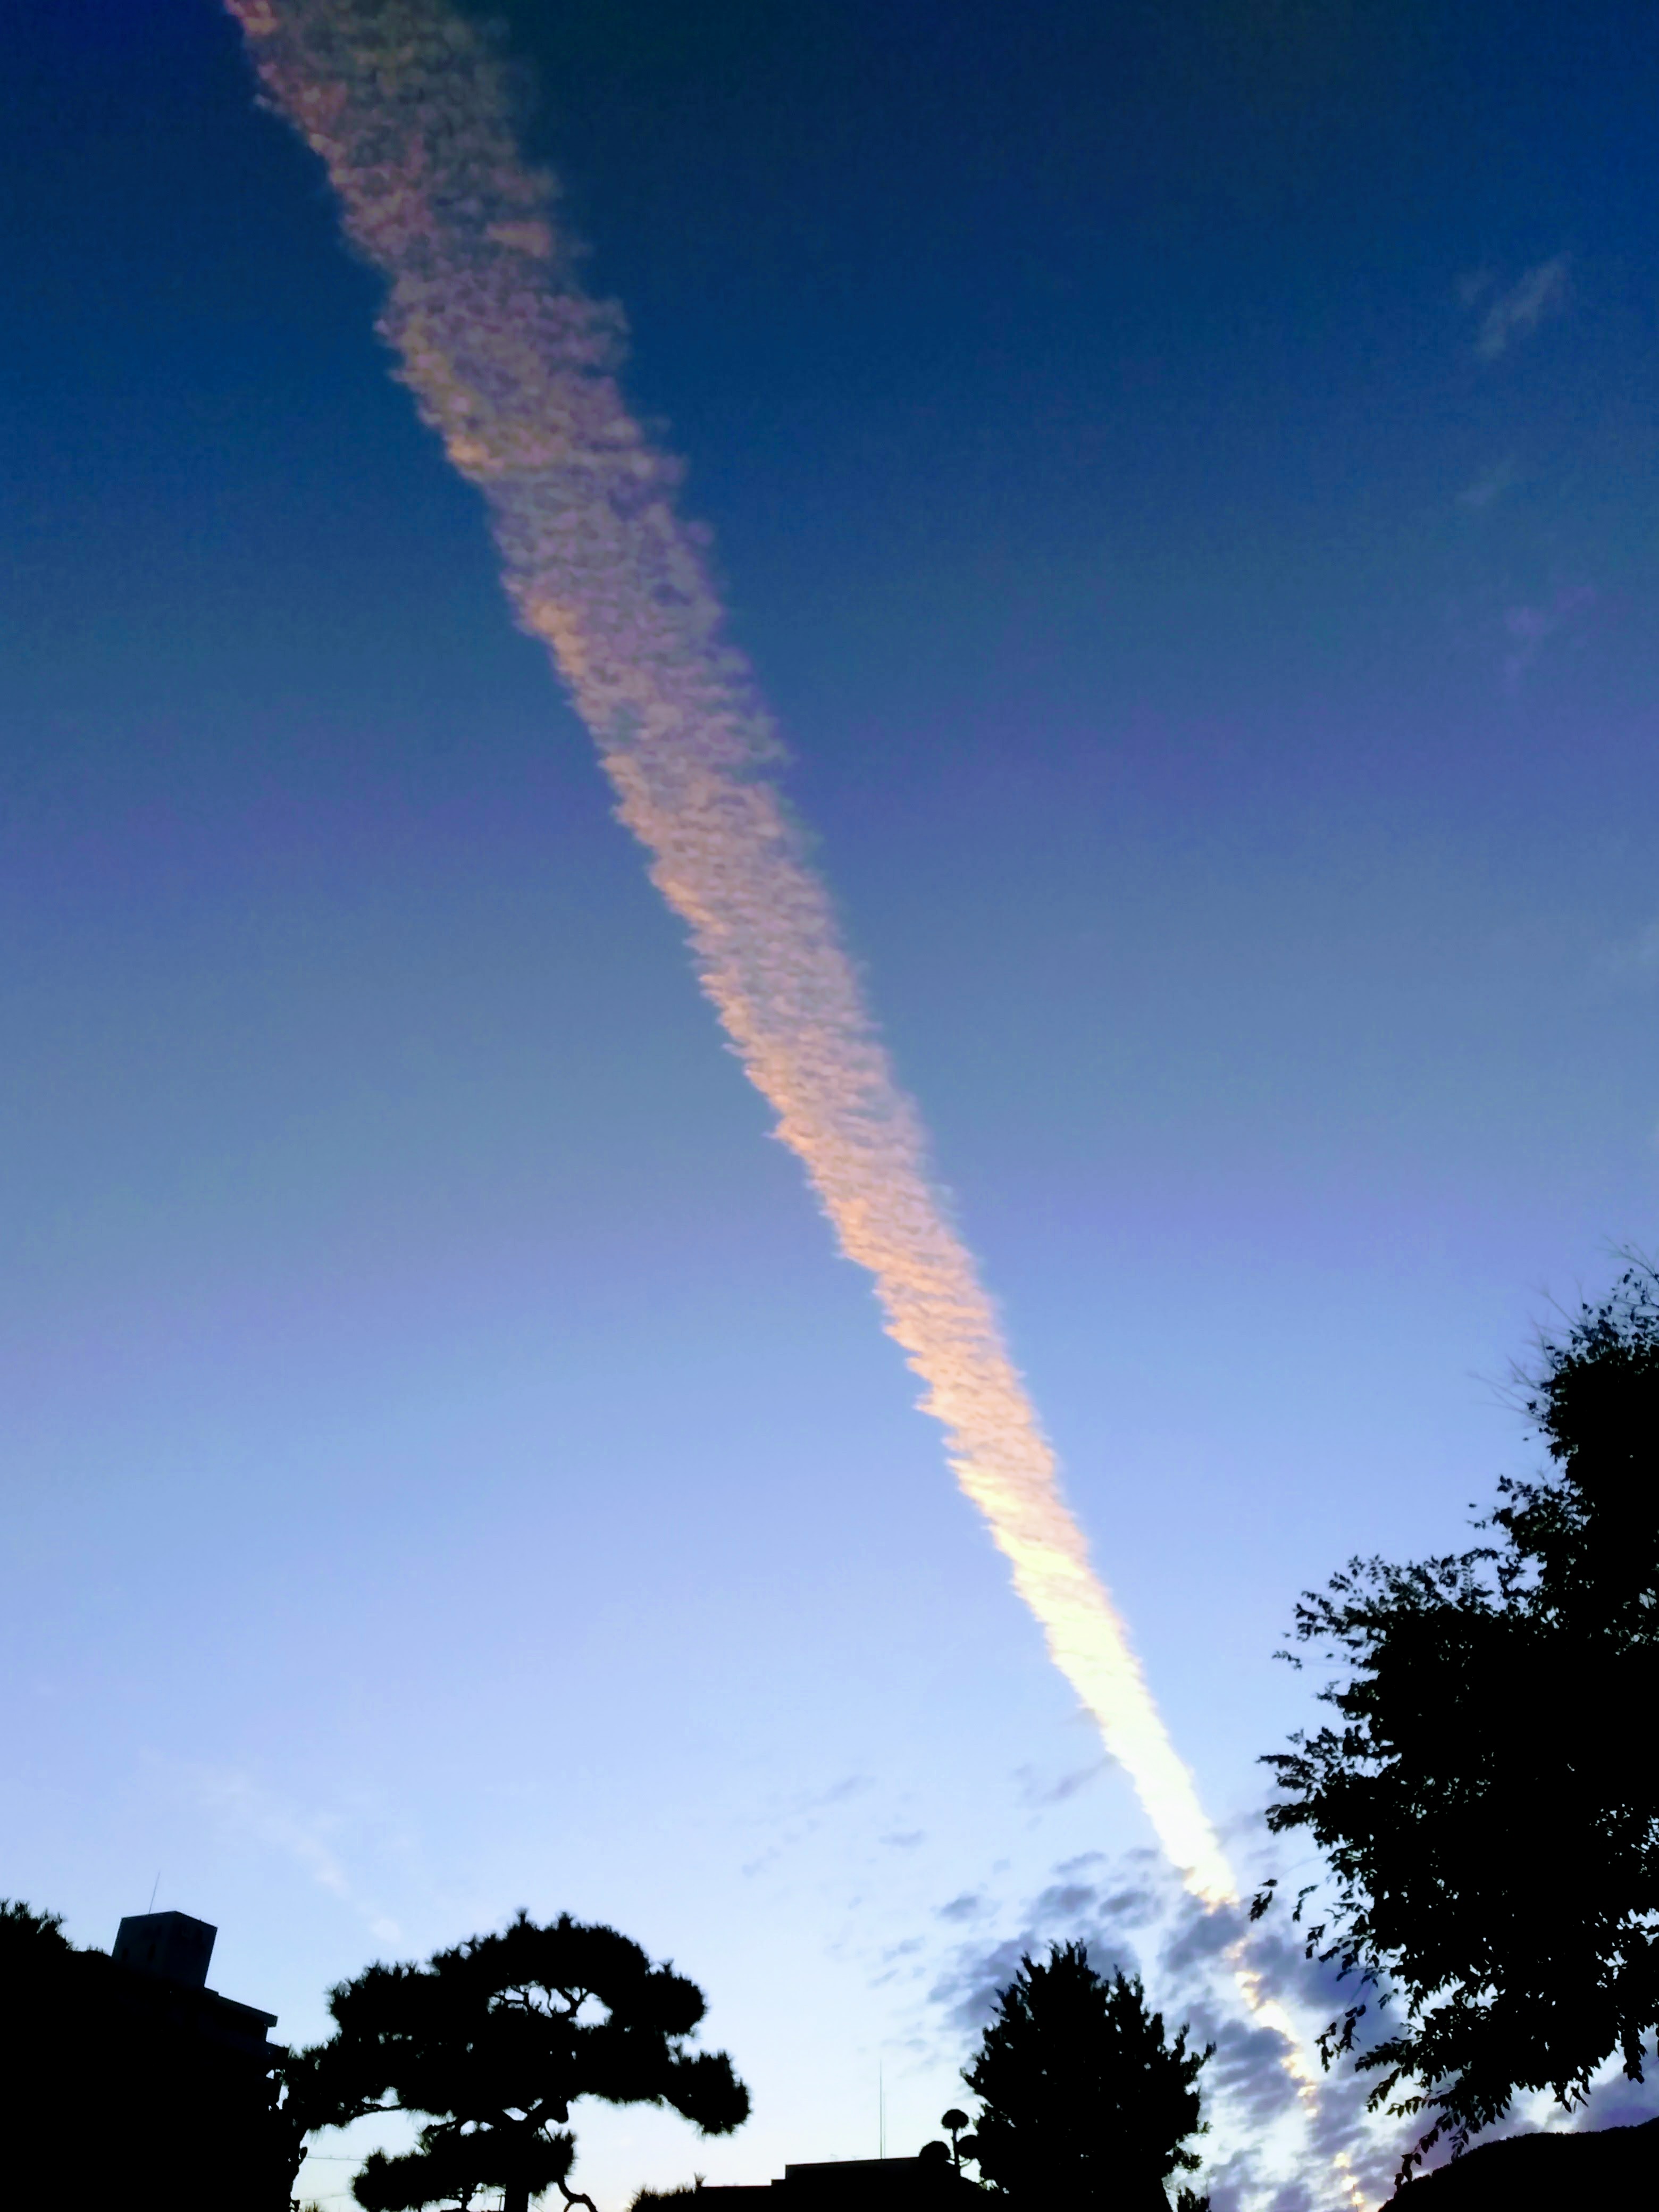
x,y
154,1887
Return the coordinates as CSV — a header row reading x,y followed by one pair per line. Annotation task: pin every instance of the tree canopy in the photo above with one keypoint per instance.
x,y
1085,2100
104,2071
1487,1795
491,2043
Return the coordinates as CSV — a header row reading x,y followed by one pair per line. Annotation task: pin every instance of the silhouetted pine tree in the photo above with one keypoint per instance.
x,y
491,2043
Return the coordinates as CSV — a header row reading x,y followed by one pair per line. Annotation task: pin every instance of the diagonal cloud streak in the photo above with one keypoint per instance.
x,y
513,365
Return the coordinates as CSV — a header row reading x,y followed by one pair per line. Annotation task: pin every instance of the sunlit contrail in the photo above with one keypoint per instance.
x,y
512,364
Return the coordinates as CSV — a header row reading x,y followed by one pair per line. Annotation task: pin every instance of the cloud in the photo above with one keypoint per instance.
x,y
895,1960
1035,1790
968,1981
1247,2066
850,1785
1269,2151
967,1988
1530,627
1065,1902
1490,484
1634,960
1617,2103
259,1814
1516,313
800,1816
971,1906
510,363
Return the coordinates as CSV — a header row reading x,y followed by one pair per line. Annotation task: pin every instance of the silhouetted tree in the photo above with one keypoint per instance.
x,y
1487,1798
104,2072
492,2042
1086,2101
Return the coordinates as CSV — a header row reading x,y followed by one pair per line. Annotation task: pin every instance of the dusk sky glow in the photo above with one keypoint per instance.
x,y
1185,481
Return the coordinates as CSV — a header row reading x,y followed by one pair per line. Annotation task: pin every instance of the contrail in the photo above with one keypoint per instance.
x,y
513,366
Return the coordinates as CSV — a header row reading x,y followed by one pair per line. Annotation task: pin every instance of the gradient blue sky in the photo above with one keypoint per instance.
x,y
1213,617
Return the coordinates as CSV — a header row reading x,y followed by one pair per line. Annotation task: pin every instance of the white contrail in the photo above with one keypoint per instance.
x,y
512,364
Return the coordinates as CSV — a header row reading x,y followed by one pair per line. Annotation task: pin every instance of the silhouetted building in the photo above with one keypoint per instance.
x,y
881,2184
166,1956
930,2182
125,2080
170,1944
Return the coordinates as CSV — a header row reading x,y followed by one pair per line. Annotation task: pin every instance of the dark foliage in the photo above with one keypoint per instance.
x,y
492,2042
1487,1798
103,2074
1085,2101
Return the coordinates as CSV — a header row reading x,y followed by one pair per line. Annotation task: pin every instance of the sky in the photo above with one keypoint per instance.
x,y
1185,479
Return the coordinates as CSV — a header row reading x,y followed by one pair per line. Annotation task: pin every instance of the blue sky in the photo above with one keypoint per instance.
x,y
1187,481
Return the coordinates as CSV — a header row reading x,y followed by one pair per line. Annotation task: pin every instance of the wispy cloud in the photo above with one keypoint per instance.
x,y
1103,1914
1633,960
1530,627
1490,484
309,1839
1038,1789
1267,2152
1516,312
800,1816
